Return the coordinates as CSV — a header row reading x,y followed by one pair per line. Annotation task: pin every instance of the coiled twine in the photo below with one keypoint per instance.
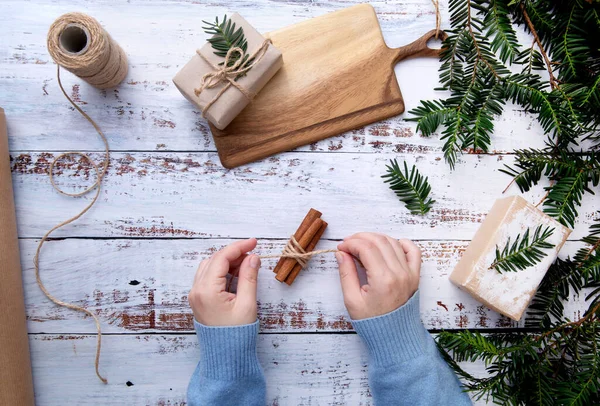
x,y
79,44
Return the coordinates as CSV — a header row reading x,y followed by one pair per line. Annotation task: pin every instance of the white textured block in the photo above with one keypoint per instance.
x,y
508,293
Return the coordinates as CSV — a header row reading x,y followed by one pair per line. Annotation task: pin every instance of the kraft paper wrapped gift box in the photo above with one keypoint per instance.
x,y
508,293
233,101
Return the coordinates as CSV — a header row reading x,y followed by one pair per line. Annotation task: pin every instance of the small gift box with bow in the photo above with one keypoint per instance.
x,y
229,70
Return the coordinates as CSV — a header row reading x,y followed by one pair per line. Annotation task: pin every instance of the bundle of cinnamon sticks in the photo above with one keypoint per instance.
x,y
307,235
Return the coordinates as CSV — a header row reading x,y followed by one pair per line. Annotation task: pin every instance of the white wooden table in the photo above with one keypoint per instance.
x,y
167,202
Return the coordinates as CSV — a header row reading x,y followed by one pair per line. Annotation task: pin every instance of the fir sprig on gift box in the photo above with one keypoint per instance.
x,y
225,37
412,188
522,253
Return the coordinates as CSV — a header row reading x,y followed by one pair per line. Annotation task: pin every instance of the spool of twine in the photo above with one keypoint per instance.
x,y
78,43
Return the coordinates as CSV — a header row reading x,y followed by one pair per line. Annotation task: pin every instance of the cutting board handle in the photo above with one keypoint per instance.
x,y
419,48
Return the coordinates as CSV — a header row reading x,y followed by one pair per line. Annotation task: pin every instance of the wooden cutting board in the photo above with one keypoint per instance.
x,y
337,75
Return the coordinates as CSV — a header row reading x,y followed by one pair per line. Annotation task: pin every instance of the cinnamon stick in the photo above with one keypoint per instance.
x,y
308,220
311,246
304,240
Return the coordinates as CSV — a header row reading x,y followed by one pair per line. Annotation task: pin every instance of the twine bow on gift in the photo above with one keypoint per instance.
x,y
228,73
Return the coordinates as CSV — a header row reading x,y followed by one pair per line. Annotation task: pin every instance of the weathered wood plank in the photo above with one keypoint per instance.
x,y
142,286
155,369
190,195
147,112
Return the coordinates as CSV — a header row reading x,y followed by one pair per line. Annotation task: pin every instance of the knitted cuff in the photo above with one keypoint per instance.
x,y
394,337
228,352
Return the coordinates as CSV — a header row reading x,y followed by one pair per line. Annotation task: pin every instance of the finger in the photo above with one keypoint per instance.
x,y
413,255
200,270
398,250
367,253
221,261
234,266
247,280
348,279
382,242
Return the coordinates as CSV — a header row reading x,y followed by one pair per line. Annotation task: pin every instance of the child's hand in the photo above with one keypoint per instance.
x,y
393,268
211,303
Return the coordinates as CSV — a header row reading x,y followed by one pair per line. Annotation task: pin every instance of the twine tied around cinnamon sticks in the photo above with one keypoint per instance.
x,y
294,250
300,248
229,74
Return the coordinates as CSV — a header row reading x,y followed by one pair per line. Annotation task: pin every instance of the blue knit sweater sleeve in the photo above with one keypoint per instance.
x,y
405,367
228,373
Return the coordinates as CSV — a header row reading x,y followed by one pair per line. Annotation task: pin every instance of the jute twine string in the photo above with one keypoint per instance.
x,y
100,172
96,58
295,251
438,17
102,62
228,73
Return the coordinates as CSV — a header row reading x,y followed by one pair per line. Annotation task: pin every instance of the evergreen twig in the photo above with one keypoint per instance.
x,y
411,187
522,254
224,37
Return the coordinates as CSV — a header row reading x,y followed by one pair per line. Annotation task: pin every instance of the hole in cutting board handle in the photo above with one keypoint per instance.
x,y
420,47
434,43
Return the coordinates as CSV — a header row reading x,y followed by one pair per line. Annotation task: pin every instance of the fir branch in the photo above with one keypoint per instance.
x,y
531,58
498,26
527,92
569,326
593,92
479,137
559,364
430,116
584,387
530,164
537,40
564,196
523,254
451,71
411,188
453,136
554,289
567,47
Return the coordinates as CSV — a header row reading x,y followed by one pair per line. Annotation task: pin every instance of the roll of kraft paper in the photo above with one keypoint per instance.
x,y
16,385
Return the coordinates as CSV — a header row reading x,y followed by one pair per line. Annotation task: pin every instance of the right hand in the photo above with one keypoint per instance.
x,y
393,269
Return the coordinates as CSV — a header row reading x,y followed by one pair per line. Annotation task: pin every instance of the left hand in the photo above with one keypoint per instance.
x,y
211,303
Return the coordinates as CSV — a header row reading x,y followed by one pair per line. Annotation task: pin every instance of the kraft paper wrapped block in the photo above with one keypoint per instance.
x,y
232,101
508,293
16,386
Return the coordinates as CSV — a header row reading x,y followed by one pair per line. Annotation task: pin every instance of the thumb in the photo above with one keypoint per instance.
x,y
247,279
349,280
